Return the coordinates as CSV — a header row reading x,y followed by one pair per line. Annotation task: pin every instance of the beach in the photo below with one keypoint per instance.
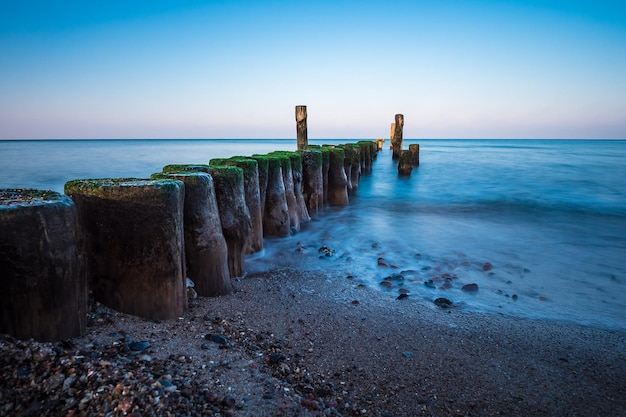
x,y
290,342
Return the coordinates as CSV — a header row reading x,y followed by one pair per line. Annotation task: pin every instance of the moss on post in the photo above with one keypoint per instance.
x,y
206,253
133,231
250,169
42,284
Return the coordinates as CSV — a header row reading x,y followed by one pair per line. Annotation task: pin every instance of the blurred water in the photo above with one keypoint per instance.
x,y
548,216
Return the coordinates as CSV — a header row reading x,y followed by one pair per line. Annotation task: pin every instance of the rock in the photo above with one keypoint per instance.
x,y
216,338
487,266
139,346
326,251
429,283
277,358
443,302
407,354
470,288
402,296
385,284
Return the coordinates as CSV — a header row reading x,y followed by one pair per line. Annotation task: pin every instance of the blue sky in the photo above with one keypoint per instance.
x,y
237,69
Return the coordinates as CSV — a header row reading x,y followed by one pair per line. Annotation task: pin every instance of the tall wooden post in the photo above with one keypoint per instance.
x,y
391,132
396,142
303,139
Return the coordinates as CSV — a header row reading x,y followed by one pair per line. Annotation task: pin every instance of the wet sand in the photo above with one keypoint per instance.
x,y
302,343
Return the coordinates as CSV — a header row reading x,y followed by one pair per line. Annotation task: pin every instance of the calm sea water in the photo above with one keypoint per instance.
x,y
548,216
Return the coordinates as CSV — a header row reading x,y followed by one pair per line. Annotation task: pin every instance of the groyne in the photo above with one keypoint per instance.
x,y
137,244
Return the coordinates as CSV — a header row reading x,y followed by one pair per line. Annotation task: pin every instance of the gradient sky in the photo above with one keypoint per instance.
x,y
237,69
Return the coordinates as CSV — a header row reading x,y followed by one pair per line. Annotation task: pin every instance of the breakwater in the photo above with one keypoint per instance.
x,y
137,244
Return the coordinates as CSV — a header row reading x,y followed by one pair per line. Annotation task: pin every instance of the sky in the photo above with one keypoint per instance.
x,y
237,69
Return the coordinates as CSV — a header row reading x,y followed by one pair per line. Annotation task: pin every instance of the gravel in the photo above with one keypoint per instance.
x,y
294,343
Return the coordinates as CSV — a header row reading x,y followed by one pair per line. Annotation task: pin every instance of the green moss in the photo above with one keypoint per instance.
x,y
313,156
103,186
20,196
284,157
185,167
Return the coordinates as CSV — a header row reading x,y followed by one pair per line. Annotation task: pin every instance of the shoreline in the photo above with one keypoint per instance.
x,y
291,342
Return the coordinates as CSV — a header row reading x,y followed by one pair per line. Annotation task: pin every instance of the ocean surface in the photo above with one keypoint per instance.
x,y
538,225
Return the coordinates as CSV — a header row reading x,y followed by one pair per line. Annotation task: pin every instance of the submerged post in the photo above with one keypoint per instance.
x,y
405,164
396,141
303,139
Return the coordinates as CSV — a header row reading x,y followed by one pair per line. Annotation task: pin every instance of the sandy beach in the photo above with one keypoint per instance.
x,y
292,343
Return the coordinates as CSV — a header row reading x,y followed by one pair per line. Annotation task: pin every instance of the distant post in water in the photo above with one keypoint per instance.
x,y
415,154
303,139
396,142
391,132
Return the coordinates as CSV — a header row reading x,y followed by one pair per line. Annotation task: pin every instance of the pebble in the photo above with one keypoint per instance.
x,y
470,288
139,346
443,302
216,338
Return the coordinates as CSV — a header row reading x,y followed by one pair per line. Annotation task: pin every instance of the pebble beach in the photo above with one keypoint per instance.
x,y
298,343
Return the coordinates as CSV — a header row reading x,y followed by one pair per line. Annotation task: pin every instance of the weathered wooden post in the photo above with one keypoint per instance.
x,y
415,154
262,165
405,164
337,181
396,142
133,232
296,171
313,181
292,202
42,282
356,165
325,169
206,253
231,203
379,144
276,222
303,140
347,166
250,169
366,155
234,214
391,133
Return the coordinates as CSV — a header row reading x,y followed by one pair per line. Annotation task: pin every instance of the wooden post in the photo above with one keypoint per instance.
x,y
405,164
391,133
415,154
276,221
250,169
303,140
379,144
234,214
313,181
133,230
262,164
396,142
366,155
337,181
292,202
206,253
347,166
296,171
42,284
355,170
231,203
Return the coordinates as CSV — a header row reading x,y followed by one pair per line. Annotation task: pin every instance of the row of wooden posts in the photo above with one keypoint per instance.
x,y
134,243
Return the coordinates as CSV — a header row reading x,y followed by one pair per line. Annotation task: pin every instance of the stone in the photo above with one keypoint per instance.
x,y
470,288
443,302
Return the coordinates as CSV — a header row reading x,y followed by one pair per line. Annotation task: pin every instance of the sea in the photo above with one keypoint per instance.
x,y
538,225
